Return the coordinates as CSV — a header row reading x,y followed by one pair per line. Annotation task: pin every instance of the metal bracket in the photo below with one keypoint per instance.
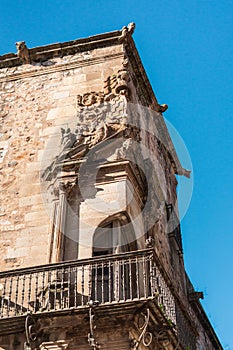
x,y
145,336
91,339
32,331
164,340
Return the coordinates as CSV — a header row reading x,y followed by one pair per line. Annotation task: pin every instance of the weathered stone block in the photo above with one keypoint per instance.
x,y
61,95
30,200
61,112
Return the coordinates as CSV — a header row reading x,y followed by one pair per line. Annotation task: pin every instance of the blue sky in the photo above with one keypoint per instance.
x,y
186,48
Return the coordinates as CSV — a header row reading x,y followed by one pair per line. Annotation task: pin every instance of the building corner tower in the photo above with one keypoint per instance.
x,y
91,246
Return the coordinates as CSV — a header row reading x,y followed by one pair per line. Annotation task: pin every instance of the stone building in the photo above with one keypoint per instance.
x,y
91,248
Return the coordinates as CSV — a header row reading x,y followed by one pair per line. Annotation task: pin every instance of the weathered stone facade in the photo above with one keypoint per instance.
x,y
88,205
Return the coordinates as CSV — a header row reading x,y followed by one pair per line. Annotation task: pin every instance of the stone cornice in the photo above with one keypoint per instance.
x,y
202,317
43,53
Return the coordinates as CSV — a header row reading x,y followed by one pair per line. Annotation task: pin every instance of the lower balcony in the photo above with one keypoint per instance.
x,y
63,286
108,281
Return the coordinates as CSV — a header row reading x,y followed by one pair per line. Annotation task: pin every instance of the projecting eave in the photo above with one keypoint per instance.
x,y
42,53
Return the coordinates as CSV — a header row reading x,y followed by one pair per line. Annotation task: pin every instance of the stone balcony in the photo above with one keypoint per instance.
x,y
115,282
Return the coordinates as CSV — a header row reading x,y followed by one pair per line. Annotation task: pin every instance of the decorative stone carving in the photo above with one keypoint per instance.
x,y
114,85
23,52
68,138
79,143
117,84
150,242
64,188
127,31
121,152
101,116
162,108
90,98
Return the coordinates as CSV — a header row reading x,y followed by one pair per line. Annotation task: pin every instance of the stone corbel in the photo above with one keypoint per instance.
x,y
195,296
185,172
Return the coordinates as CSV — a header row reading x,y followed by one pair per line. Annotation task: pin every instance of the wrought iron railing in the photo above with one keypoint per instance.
x,y
109,279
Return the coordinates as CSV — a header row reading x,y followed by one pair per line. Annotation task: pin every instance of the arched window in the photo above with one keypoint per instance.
x,y
114,235
110,277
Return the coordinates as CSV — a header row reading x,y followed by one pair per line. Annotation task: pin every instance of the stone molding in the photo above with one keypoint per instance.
x,y
35,70
55,345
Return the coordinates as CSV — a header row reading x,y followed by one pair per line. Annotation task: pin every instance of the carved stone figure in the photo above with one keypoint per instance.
x,y
121,152
23,52
77,144
99,134
127,31
131,27
122,83
117,84
80,138
68,138
162,108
